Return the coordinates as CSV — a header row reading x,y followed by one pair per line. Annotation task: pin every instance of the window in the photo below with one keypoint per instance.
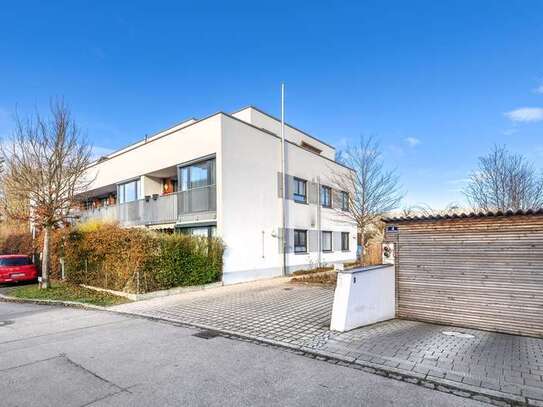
x,y
202,231
300,190
197,175
326,196
345,241
344,201
300,241
326,241
129,191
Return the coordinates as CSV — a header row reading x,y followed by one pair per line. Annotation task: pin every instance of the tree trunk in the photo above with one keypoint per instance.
x,y
45,258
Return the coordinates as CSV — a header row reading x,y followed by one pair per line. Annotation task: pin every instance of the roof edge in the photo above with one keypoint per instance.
x,y
286,124
464,215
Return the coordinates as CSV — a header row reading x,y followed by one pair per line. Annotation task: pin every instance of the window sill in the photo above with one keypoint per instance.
x,y
345,251
301,202
327,251
301,252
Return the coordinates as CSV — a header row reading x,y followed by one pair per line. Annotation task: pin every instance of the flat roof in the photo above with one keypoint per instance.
x,y
286,124
173,129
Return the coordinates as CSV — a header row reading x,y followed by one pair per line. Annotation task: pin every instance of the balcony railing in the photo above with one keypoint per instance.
x,y
184,206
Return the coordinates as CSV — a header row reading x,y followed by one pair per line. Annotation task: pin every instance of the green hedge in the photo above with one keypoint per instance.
x,y
185,261
137,260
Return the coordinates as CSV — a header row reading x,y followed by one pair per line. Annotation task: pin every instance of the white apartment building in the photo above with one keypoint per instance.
x,y
221,176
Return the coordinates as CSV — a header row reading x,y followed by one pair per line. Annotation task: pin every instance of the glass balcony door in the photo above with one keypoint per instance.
x,y
197,187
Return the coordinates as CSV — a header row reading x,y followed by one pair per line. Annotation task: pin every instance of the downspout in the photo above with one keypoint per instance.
x,y
284,182
319,231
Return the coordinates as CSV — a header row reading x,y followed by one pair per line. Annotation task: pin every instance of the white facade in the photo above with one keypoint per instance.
x,y
237,195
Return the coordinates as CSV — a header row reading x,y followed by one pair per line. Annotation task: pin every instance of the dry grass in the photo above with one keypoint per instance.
x,y
328,277
312,271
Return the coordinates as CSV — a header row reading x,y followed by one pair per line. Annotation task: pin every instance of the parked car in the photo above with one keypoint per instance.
x,y
17,267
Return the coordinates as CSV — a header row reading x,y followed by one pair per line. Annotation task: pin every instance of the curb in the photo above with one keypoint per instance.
x,y
443,385
59,303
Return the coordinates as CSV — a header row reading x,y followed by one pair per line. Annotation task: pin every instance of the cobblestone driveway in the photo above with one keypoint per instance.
x,y
272,309
300,315
507,363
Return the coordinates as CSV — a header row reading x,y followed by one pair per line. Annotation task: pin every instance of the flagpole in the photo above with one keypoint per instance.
x,y
284,181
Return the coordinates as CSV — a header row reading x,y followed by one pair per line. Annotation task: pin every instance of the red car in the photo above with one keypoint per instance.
x,y
17,267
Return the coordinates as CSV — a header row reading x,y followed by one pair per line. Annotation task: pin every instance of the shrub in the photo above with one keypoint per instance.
x,y
15,239
17,243
136,260
188,260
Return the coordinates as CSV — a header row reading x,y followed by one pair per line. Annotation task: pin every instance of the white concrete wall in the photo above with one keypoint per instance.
x,y
251,213
311,167
363,297
262,120
150,185
196,140
250,219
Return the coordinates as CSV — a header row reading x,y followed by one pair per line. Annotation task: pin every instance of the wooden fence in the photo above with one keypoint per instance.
x,y
373,254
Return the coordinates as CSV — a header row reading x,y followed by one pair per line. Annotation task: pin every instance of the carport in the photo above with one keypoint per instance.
x,y
477,270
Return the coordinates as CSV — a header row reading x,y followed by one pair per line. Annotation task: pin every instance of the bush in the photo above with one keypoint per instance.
x,y
15,239
188,260
136,260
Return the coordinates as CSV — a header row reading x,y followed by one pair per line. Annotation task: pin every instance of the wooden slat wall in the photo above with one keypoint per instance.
x,y
485,273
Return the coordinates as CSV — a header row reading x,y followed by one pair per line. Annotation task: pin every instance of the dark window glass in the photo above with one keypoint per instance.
x,y
197,175
326,241
345,241
129,191
300,241
326,196
15,261
201,231
300,190
344,200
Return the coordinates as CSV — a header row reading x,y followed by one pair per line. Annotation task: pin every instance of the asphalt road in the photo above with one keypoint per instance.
x,y
53,356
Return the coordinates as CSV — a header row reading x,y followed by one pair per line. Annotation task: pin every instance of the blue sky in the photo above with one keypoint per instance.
x,y
438,83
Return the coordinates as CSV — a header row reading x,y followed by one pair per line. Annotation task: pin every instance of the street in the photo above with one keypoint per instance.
x,y
54,356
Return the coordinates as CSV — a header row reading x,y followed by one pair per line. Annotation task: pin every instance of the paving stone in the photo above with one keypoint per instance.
x,y
453,376
300,318
535,403
533,393
471,381
436,373
421,369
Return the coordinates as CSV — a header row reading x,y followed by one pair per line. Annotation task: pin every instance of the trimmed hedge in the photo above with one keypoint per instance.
x,y
136,260
13,240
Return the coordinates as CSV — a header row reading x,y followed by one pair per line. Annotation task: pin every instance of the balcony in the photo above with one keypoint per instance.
x,y
180,207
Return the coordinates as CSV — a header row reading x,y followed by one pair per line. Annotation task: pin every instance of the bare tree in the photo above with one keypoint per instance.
x,y
503,181
372,189
425,210
44,169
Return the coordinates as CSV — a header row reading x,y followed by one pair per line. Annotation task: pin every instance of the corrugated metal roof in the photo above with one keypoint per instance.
x,y
463,215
